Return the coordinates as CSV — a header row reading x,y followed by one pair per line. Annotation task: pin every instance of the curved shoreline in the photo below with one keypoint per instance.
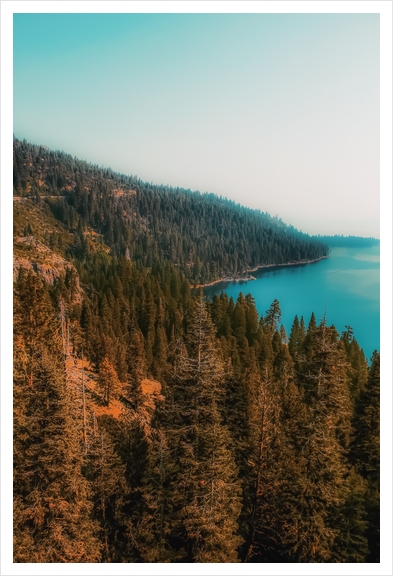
x,y
299,263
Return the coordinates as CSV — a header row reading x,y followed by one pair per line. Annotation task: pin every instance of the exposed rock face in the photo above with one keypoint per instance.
x,y
31,254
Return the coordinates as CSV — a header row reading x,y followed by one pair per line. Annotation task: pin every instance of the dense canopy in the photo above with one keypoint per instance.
x,y
151,425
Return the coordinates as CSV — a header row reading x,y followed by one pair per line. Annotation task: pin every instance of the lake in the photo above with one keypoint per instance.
x,y
345,286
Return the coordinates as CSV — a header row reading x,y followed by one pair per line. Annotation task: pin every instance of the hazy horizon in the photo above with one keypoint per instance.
x,y
183,188
276,112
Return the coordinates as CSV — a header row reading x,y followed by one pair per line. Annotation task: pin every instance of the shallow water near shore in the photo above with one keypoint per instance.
x,y
345,286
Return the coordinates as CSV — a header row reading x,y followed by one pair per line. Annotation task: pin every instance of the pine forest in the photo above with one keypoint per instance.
x,y
152,424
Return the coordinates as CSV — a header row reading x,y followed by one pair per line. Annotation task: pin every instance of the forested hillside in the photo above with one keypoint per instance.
x,y
340,241
206,236
153,426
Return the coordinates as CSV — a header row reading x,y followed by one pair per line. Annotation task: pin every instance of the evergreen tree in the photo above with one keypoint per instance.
x,y
156,525
293,344
358,369
366,452
350,518
322,453
206,493
52,506
275,414
273,316
251,319
367,425
108,381
132,445
106,474
310,337
137,365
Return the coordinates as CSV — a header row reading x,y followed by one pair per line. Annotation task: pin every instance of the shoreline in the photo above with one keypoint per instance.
x,y
299,263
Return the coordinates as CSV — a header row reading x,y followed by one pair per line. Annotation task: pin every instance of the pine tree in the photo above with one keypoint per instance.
x,y
106,473
276,411
367,425
251,319
132,445
296,338
155,527
308,342
33,318
358,369
350,518
273,316
52,498
52,506
206,493
239,320
137,365
211,518
108,382
366,452
323,451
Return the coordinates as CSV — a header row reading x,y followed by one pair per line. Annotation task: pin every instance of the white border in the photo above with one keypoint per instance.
x,y
384,8
200,6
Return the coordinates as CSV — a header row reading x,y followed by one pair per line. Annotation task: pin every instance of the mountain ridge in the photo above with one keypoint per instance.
x,y
205,235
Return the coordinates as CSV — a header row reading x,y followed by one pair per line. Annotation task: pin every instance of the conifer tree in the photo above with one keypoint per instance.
x,y
275,415
160,353
106,473
251,318
350,518
137,365
323,452
357,363
273,316
108,381
155,527
302,332
239,320
33,318
367,425
366,452
263,345
308,342
52,506
132,445
294,344
206,493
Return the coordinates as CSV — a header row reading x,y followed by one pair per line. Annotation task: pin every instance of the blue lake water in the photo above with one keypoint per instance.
x,y
345,286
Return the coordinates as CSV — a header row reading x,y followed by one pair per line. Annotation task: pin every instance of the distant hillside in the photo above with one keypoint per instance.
x,y
206,236
347,241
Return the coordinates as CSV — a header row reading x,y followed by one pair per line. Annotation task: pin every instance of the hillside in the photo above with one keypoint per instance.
x,y
340,241
153,426
207,237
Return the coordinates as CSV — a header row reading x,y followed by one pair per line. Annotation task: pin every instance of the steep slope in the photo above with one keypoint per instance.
x,y
43,245
206,236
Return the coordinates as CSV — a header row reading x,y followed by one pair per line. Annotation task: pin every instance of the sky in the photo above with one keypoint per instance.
x,y
278,112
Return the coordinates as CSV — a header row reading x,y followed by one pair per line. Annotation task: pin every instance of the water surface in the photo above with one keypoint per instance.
x,y
345,286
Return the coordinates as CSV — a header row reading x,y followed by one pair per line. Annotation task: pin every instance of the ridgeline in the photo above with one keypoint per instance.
x,y
207,237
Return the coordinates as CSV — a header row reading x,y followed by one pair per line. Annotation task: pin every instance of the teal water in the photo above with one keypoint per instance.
x,y
345,286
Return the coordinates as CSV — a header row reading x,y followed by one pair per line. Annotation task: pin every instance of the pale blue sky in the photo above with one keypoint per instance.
x,y
278,112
